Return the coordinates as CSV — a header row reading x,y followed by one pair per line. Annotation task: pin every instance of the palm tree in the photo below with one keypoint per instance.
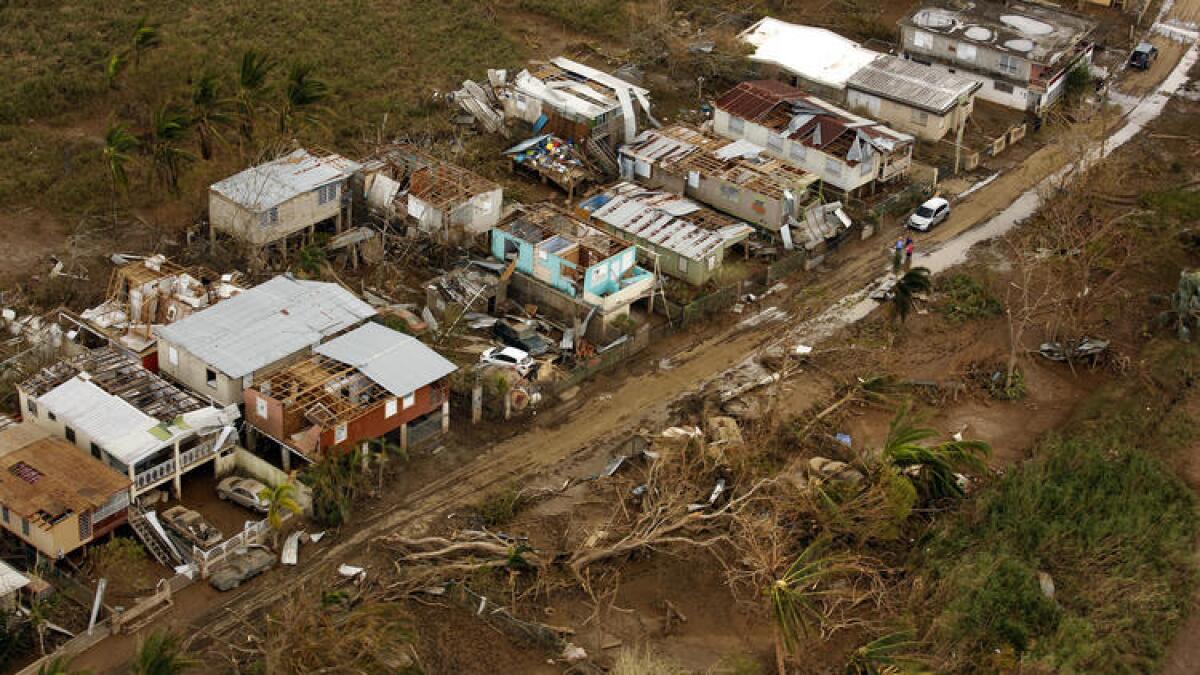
x,y
885,655
210,112
169,126
114,65
253,71
913,283
302,97
279,499
161,654
796,596
38,621
145,37
119,145
934,465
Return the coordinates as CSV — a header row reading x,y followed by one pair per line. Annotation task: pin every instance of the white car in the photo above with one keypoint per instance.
x,y
508,357
928,215
244,491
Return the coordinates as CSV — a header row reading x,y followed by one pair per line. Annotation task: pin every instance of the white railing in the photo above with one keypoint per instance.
x,y
253,533
118,502
186,459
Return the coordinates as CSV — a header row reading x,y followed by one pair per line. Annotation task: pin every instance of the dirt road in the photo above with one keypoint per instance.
x,y
641,400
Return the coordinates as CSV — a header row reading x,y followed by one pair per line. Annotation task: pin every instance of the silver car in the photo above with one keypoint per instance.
x,y
244,491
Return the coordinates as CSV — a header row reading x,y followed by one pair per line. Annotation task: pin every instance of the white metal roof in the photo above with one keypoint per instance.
x,y
397,362
914,84
815,54
647,214
10,579
266,323
267,185
113,424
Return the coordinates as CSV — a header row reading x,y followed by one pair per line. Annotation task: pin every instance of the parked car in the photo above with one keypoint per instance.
x,y
192,526
521,335
508,357
243,491
1143,56
929,215
240,567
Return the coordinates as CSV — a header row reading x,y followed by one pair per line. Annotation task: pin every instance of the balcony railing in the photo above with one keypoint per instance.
x,y
187,459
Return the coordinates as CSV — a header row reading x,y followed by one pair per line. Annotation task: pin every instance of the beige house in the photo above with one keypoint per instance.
x,y
52,497
913,97
221,350
269,203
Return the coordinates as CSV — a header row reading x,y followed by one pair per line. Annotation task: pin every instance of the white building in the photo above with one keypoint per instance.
x,y
815,59
221,350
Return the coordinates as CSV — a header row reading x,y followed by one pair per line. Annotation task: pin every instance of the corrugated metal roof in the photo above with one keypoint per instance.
x,y
110,422
914,84
266,323
267,185
647,215
815,54
397,362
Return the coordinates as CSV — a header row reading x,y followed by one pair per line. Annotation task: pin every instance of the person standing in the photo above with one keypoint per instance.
x,y
908,252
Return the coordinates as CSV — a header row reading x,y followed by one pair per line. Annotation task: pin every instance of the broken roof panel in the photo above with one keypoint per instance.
x,y
268,185
397,362
815,54
914,84
267,323
65,479
647,215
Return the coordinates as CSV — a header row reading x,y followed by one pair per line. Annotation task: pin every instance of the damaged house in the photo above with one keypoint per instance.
x,y
363,385
116,411
1021,52
736,177
219,351
270,203
442,200
52,497
848,152
679,237
570,100
154,292
577,271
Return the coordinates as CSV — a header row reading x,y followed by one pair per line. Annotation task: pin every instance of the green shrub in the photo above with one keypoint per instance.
x,y
963,298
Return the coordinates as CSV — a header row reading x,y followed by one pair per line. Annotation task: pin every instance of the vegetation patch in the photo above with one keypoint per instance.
x,y
1178,203
963,298
1079,562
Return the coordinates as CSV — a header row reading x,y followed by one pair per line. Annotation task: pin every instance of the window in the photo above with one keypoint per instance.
x,y
25,526
736,125
919,117
775,143
85,526
922,40
340,432
712,262
966,52
389,408
268,217
95,451
50,415
410,400
1002,87
210,377
798,152
1009,64
69,433
173,356
327,193
4,513
731,194
32,406
260,407
683,266
833,167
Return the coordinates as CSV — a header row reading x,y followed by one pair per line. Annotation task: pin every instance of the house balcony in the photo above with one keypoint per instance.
x,y
187,460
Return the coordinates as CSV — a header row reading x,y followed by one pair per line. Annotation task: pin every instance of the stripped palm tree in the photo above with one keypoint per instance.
x,y
279,499
931,467
254,69
914,282
119,145
145,37
302,98
169,127
114,65
211,112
